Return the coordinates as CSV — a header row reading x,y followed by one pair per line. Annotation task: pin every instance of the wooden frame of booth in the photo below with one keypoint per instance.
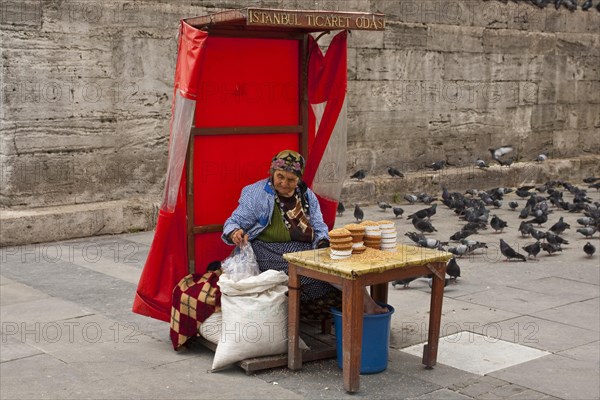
x,y
263,23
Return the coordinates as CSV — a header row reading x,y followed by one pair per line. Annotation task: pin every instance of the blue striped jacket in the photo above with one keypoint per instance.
x,y
255,208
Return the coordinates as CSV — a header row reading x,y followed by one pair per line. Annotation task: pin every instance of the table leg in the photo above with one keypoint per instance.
x,y
435,317
294,353
352,320
379,292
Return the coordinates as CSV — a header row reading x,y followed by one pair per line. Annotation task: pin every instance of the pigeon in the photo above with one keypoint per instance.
x,y
481,164
587,4
423,225
587,231
533,249
541,157
359,214
452,269
498,224
497,203
436,166
383,205
571,5
500,151
525,228
513,205
424,213
340,209
395,173
551,248
426,199
462,234
591,179
430,282
432,244
415,237
398,211
403,282
589,249
459,250
540,3
560,226
506,163
523,191
509,252
539,219
585,221
525,213
411,198
557,3
360,174
474,226
537,235
473,244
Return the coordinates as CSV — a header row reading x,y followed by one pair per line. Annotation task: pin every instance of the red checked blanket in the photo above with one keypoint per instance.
x,y
195,298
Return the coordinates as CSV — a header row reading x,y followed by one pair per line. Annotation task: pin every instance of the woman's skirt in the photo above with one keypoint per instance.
x,y
269,255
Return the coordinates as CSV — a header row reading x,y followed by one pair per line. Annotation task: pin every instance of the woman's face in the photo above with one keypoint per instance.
x,y
285,182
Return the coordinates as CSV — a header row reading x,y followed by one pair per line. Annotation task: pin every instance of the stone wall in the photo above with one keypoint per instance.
x,y
87,88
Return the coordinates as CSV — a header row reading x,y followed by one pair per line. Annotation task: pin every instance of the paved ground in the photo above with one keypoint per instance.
x,y
68,332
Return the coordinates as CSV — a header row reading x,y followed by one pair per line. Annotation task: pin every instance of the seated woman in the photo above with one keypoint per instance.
x,y
278,215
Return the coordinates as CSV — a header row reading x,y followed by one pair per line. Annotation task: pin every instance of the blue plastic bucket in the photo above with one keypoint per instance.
x,y
375,340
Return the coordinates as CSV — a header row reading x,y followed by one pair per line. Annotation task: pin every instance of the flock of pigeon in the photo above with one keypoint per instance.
x,y
475,209
499,155
569,4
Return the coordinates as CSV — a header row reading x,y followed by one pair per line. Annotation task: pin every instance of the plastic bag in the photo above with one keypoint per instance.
x,y
241,264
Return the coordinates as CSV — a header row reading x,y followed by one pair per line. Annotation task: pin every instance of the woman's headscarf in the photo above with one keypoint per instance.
x,y
290,161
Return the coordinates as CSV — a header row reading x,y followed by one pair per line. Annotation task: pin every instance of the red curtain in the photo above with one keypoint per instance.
x,y
167,260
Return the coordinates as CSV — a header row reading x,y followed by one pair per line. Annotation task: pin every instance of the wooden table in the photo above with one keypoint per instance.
x,y
375,268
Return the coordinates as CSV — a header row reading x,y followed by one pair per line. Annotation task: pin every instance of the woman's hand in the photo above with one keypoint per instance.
x,y
239,237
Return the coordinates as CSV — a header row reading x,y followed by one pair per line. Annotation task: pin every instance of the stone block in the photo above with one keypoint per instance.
x,y
555,21
535,93
399,96
555,375
101,18
18,293
566,142
515,67
447,38
387,126
575,44
589,140
427,12
555,67
518,42
65,222
408,65
405,36
526,18
466,67
593,22
567,92
575,22
352,63
543,117
14,349
583,68
366,39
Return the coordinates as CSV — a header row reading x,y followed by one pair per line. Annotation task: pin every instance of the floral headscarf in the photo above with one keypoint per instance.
x,y
290,161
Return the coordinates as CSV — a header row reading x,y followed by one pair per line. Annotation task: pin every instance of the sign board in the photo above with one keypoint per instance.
x,y
324,20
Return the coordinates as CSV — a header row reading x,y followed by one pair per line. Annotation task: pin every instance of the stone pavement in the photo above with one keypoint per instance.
x,y
68,330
